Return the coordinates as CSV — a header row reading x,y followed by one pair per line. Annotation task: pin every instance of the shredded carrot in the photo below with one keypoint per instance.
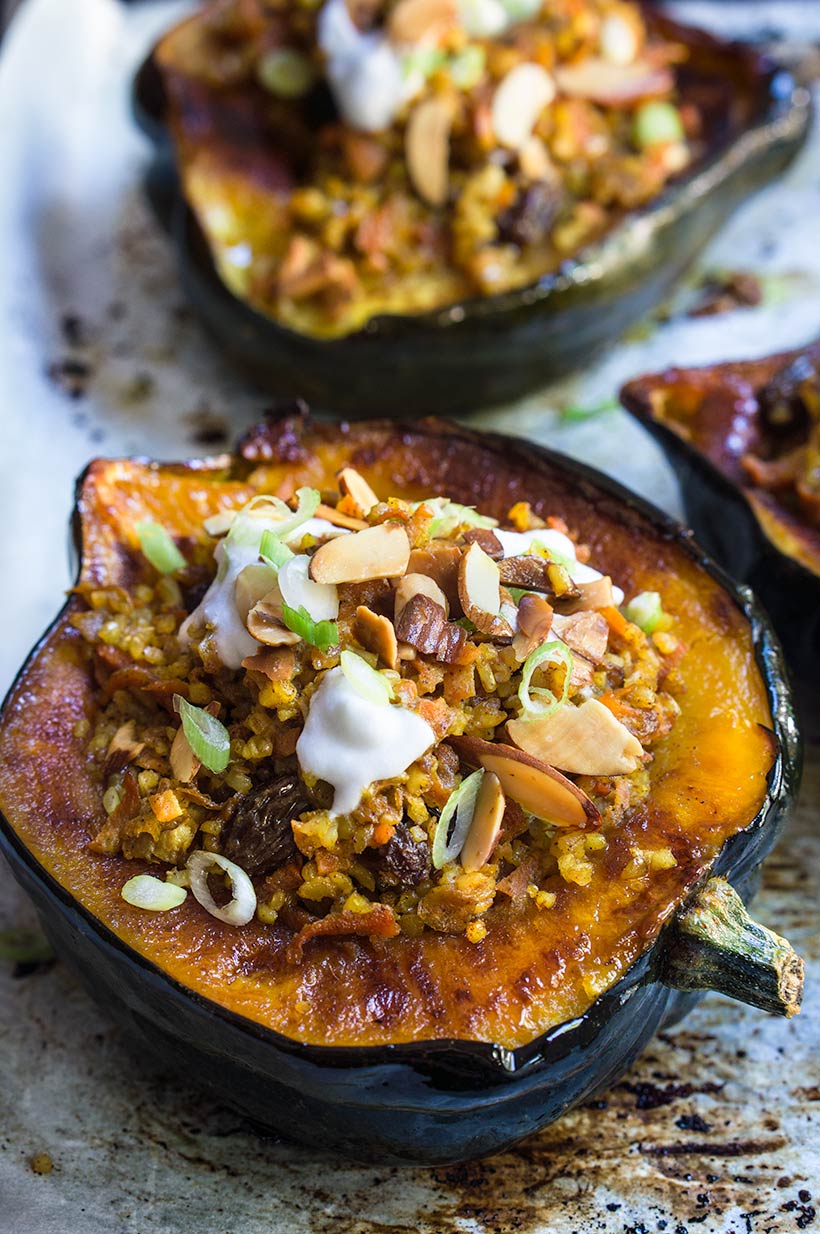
x,y
614,619
382,833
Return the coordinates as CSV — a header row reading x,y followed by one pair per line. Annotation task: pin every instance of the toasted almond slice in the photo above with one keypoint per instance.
x,y
377,634
528,571
123,748
596,594
423,625
486,825
586,633
486,538
534,161
440,562
581,673
537,787
534,624
406,652
621,35
376,552
184,763
519,99
418,585
251,585
264,622
613,85
479,589
586,740
276,663
331,515
357,489
427,149
413,21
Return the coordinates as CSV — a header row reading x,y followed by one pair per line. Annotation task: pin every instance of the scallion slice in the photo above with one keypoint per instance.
x,y
159,548
242,905
467,67
558,653
367,681
145,891
448,515
455,819
273,549
244,530
657,123
645,610
286,73
207,737
322,634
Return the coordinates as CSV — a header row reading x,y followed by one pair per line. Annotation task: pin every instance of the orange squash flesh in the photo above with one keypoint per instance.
x,y
537,967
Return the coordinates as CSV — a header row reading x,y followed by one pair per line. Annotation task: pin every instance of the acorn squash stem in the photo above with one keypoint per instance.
x,y
718,946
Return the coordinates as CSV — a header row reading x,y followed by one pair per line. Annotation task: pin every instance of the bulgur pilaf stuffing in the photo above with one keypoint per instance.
x,y
397,156
356,716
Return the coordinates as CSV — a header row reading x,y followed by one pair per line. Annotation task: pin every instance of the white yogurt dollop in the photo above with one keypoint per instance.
x,y
364,70
519,543
350,742
217,609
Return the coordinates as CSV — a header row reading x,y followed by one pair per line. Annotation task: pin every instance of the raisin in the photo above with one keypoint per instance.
x,y
530,218
401,862
258,835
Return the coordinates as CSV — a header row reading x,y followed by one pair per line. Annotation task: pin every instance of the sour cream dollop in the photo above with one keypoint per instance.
x,y
217,609
364,71
519,543
351,742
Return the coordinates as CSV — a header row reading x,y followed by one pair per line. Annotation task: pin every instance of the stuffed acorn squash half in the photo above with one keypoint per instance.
x,y
396,783
744,438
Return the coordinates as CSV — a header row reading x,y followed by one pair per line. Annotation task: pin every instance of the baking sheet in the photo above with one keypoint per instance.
x,y
717,1126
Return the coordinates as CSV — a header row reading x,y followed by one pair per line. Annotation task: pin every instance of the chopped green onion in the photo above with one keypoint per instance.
x,y
521,10
286,73
467,68
322,634
558,653
575,415
645,611
145,891
458,810
273,550
207,737
23,946
159,548
244,530
450,514
242,905
423,60
370,683
657,123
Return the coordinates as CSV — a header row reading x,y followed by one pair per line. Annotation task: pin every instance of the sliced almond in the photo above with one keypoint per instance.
x,y
537,787
377,634
439,562
586,633
486,825
264,623
275,663
427,149
595,594
614,85
534,624
534,161
485,538
479,589
375,552
418,585
529,571
581,673
621,35
251,585
331,515
518,101
123,748
184,763
586,740
357,489
413,21
423,625
406,652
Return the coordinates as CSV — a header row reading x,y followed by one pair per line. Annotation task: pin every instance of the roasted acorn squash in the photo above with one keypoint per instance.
x,y
713,422
490,348
430,1048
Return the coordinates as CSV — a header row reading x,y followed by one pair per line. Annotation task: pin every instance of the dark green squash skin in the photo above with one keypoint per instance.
x,y
495,348
433,1102
725,523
